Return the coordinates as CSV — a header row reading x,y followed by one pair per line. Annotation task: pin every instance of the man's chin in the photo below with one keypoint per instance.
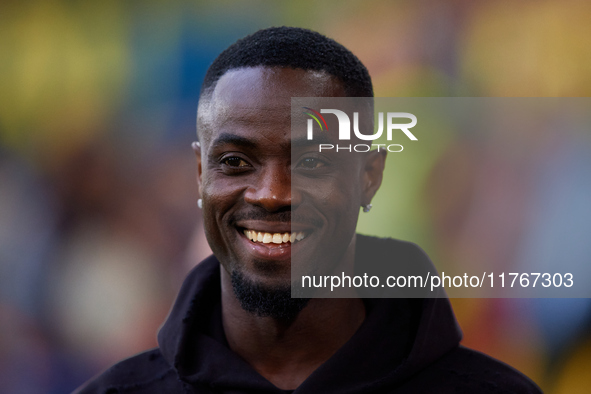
x,y
266,301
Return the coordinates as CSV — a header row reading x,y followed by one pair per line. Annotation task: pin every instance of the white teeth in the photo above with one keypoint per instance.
x,y
276,238
252,235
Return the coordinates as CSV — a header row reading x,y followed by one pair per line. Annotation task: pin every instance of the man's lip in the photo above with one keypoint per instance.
x,y
268,251
273,227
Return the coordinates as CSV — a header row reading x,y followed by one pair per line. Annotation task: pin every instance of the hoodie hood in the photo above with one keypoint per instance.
x,y
398,338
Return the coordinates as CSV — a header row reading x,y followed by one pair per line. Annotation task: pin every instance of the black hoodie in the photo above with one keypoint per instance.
x,y
403,346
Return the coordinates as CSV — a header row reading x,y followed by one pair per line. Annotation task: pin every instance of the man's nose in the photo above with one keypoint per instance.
x,y
271,190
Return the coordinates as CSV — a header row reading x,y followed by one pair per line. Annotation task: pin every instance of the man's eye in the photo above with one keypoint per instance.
x,y
311,163
235,162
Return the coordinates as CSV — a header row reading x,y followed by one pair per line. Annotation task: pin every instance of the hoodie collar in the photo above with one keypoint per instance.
x,y
398,338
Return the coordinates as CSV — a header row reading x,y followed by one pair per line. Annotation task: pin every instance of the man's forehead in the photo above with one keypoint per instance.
x,y
262,95
276,84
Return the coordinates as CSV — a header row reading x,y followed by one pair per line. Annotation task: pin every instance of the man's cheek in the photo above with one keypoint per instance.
x,y
220,192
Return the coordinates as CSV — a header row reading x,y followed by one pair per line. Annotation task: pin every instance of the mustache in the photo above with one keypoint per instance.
x,y
281,216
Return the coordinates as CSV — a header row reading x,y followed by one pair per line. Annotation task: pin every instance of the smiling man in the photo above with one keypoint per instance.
x,y
270,205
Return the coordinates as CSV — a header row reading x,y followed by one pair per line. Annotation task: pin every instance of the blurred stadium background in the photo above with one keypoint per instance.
x,y
98,215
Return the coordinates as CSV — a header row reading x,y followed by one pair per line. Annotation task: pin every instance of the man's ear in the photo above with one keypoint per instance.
x,y
197,149
372,174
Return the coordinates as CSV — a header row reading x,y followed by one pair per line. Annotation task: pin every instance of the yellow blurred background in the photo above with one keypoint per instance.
x,y
98,220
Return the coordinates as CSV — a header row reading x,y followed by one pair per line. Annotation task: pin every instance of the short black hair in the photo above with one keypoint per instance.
x,y
296,48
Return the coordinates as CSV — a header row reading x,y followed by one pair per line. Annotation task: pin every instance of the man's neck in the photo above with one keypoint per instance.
x,y
286,353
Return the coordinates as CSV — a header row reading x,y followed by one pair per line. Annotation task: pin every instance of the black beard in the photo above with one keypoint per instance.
x,y
266,302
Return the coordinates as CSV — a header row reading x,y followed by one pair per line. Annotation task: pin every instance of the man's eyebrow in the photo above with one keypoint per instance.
x,y
233,139
304,142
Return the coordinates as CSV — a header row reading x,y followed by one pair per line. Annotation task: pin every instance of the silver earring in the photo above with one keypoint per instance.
x,y
200,203
367,208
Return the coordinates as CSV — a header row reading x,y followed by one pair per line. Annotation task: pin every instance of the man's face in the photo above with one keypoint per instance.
x,y
251,181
